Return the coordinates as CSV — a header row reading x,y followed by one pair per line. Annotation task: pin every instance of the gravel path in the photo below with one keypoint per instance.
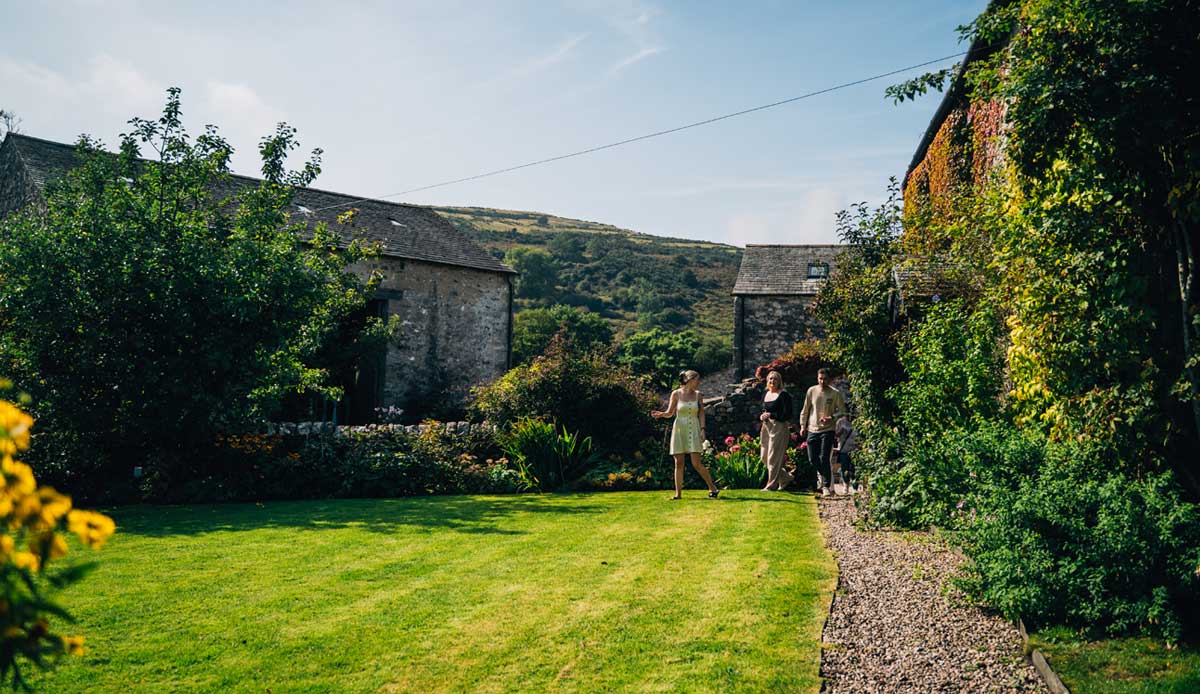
x,y
892,627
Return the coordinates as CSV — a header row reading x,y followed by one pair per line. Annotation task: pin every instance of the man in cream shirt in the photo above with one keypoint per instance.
x,y
823,404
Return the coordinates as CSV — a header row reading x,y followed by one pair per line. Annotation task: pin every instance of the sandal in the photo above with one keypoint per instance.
x,y
677,497
713,494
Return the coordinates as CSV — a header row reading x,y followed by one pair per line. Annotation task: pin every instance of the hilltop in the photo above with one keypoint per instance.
x,y
631,278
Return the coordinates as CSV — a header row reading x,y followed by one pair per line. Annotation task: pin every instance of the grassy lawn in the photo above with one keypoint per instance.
x,y
596,592
1119,666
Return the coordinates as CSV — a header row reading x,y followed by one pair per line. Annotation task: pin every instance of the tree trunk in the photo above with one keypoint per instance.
x,y
1185,258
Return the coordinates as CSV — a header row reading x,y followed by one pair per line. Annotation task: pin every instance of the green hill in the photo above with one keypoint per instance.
x,y
632,279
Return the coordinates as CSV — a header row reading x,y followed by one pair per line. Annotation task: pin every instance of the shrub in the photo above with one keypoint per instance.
x,y
548,459
583,392
933,479
31,520
1079,543
736,464
799,365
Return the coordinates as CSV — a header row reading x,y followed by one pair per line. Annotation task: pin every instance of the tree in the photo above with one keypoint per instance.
x,y
534,329
9,123
537,273
659,355
567,247
144,309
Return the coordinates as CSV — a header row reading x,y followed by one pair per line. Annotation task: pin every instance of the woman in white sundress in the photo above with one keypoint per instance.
x,y
687,434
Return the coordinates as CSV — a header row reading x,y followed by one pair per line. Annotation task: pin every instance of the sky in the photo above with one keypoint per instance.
x,y
401,95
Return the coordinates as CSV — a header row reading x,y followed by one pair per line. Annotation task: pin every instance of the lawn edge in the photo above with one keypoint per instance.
x,y
837,585
1040,663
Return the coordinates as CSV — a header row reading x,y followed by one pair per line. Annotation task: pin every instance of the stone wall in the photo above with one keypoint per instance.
x,y
737,411
455,331
317,428
770,325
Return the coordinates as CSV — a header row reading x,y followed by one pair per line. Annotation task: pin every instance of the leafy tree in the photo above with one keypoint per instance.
x,y
146,307
537,272
535,328
9,123
714,354
566,247
659,355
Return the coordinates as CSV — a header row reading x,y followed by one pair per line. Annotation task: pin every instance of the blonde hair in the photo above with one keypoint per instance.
x,y
776,374
685,376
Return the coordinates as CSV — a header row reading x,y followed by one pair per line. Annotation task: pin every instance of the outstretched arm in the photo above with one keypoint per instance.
x,y
670,411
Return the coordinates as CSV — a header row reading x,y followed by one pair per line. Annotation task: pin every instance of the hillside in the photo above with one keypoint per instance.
x,y
632,279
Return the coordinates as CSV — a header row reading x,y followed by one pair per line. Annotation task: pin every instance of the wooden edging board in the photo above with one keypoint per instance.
x,y
1049,676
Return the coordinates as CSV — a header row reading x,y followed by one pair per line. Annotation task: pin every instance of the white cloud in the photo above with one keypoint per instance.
x,y
239,103
121,85
807,220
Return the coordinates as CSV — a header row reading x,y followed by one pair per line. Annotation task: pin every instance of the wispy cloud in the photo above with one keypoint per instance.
x,y
634,59
523,71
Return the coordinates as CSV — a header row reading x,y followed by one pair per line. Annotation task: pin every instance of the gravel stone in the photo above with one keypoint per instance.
x,y
895,626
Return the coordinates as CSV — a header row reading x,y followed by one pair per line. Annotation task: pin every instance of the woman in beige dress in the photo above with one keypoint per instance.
x,y
776,432
687,434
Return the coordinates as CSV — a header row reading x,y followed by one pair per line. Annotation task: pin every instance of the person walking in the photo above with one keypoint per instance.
x,y
687,433
847,444
823,404
775,435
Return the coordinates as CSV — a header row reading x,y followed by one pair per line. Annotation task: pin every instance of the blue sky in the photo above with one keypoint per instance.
x,y
406,94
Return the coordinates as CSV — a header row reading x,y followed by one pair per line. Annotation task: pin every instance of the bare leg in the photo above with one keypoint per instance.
x,y
696,463
679,475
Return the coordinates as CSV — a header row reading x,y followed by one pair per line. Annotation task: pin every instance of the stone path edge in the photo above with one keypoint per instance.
x,y
828,611
1049,676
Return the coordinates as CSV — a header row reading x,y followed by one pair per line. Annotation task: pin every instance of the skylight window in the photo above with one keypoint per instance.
x,y
817,271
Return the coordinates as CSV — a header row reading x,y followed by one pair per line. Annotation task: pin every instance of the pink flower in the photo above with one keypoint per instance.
x,y
734,449
795,437
729,440
803,445
746,437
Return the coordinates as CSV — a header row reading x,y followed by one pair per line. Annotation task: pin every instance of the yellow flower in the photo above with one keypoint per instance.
x,y
54,507
18,477
26,560
73,645
48,545
14,428
91,527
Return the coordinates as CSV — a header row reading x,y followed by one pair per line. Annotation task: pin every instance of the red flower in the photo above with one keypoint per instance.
x,y
729,440
803,445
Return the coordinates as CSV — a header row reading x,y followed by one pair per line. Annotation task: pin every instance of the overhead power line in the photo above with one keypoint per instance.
x,y
648,136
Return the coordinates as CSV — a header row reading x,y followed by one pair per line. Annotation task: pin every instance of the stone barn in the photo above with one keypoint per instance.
x,y
773,299
454,299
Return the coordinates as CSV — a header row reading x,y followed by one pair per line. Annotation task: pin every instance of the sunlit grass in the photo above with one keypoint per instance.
x,y
1120,666
601,592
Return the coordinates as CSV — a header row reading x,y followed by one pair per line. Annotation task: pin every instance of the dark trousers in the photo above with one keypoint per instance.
x,y
820,446
847,467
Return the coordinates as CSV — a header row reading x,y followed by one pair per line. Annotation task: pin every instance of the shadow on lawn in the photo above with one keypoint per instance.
x,y
459,513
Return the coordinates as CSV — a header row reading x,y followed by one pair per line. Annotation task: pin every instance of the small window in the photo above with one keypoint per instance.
x,y
818,271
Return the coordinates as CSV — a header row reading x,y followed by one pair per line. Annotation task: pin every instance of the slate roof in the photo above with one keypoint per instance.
x,y
782,270
404,231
